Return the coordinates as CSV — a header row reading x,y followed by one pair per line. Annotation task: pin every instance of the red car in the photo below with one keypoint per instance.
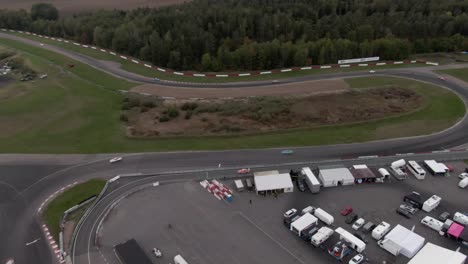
x,y
347,211
243,171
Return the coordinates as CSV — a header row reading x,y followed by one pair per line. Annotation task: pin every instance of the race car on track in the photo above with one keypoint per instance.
x,y
116,159
244,171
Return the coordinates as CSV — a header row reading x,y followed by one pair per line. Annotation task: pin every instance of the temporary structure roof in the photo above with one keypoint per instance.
x,y
336,174
304,221
362,172
273,181
455,230
431,253
409,241
436,167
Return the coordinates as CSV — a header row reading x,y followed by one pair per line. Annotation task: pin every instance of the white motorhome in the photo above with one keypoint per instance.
x,y
460,218
431,203
416,170
324,216
321,236
381,230
432,223
463,183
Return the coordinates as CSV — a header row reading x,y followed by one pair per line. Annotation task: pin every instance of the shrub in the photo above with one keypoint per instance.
x,y
149,104
188,115
164,118
204,119
126,100
123,117
172,112
189,106
125,106
144,109
134,102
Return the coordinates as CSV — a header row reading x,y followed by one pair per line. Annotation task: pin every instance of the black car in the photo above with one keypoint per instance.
x,y
351,218
466,170
300,185
368,227
444,216
403,212
361,237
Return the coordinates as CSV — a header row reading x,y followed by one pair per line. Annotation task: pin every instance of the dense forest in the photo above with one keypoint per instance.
x,y
216,35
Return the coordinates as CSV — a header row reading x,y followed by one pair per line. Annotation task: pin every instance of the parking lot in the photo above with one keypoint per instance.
x,y
206,230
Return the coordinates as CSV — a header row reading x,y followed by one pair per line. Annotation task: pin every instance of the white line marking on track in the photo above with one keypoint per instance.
x,y
286,70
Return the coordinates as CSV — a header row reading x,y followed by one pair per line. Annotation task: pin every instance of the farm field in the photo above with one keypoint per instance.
x,y
77,110
70,7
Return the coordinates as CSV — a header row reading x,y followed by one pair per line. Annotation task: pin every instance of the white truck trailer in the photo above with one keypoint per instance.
x,y
324,216
311,180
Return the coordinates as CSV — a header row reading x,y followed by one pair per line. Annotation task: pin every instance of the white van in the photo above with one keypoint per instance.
x,y
463,183
432,223
321,236
460,218
381,230
179,260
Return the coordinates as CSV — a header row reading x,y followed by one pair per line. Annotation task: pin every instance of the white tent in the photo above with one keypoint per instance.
x,y
273,181
335,177
409,241
303,222
431,253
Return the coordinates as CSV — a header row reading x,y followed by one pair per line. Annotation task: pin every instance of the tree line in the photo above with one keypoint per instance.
x,y
216,35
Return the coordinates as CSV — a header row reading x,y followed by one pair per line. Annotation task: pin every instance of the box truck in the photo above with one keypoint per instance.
x,y
460,218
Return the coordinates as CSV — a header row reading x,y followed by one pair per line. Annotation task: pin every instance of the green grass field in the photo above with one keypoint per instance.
x,y
78,193
142,70
77,111
457,73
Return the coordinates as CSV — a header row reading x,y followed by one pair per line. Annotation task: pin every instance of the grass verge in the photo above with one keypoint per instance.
x,y
77,111
142,70
457,73
66,200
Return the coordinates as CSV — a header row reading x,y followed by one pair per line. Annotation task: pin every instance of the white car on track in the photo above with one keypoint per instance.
x,y
116,159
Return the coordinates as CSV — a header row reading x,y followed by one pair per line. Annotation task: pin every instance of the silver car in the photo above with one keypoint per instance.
x,y
409,208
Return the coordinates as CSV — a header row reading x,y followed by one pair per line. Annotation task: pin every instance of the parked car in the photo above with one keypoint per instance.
x,y
463,175
358,224
361,237
290,212
300,184
351,218
403,212
466,170
116,159
444,216
368,227
287,152
243,171
294,172
409,208
463,183
347,211
357,259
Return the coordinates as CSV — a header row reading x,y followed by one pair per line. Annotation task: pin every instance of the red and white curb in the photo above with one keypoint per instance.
x,y
53,245
406,154
226,75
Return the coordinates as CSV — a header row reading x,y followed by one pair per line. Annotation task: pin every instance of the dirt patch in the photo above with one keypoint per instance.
x,y
309,87
262,114
69,7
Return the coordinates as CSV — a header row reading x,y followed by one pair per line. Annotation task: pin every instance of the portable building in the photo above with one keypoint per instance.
x,y
239,185
312,181
437,169
431,253
455,231
324,216
352,240
398,164
431,203
303,222
401,240
335,176
362,173
273,182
